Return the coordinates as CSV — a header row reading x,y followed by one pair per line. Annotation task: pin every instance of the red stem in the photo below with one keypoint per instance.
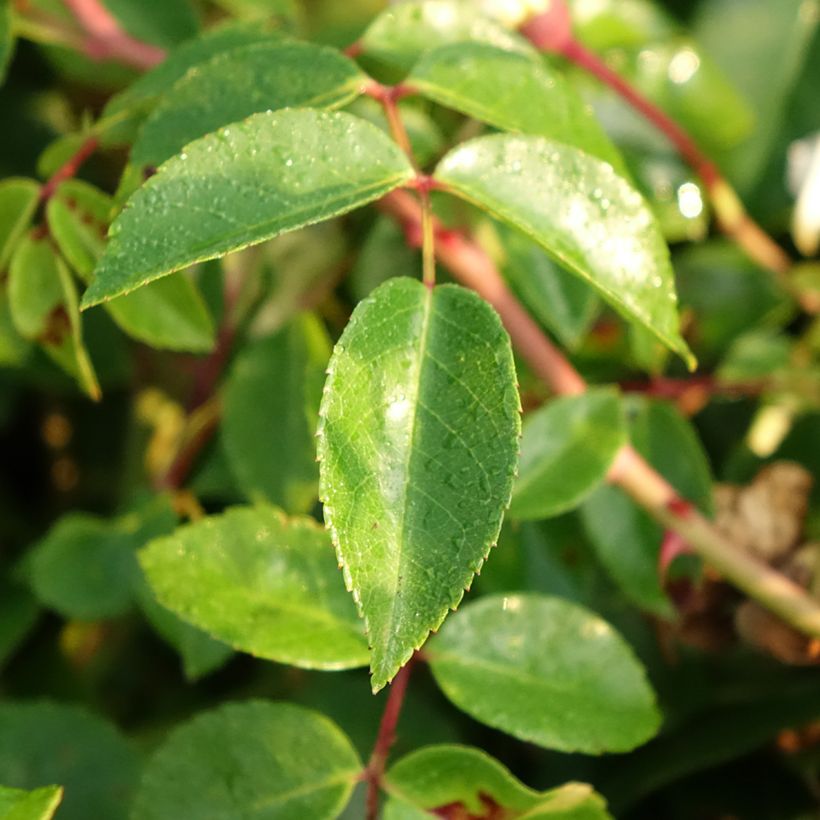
x,y
69,169
551,31
106,39
685,145
470,265
374,772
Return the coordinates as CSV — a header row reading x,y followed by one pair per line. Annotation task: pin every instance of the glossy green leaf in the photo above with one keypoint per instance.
x,y
199,652
271,760
35,287
438,776
86,566
561,301
271,407
418,444
14,349
243,81
262,583
271,173
546,671
6,37
125,111
18,202
405,31
38,804
626,540
514,92
579,210
166,314
43,743
567,449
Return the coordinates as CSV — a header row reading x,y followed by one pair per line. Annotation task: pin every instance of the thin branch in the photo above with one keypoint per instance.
x,y
70,168
552,32
470,265
374,773
105,39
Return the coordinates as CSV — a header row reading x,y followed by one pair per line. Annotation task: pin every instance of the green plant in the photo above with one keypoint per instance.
x,y
253,196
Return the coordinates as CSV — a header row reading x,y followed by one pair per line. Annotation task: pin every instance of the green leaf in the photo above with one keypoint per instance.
x,y
6,37
35,286
438,776
567,449
166,314
243,81
405,31
18,202
514,92
70,351
250,759
727,295
39,804
565,304
546,671
43,307
755,60
43,743
271,407
417,442
163,22
18,614
125,111
86,566
579,210
626,540
262,583
200,653
271,173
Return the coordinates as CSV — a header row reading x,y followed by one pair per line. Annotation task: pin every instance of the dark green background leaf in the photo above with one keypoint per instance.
x,y
250,759
271,407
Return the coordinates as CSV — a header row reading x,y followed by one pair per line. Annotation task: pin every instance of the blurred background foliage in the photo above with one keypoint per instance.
x,y
78,628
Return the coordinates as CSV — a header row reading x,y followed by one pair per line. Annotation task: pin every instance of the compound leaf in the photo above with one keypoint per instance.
x,y
418,439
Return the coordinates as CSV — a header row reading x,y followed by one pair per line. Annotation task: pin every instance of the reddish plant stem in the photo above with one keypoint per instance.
x,y
69,169
106,39
552,32
471,266
374,772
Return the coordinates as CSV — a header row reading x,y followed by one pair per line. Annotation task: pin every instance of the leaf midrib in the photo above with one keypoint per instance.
x,y
402,522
